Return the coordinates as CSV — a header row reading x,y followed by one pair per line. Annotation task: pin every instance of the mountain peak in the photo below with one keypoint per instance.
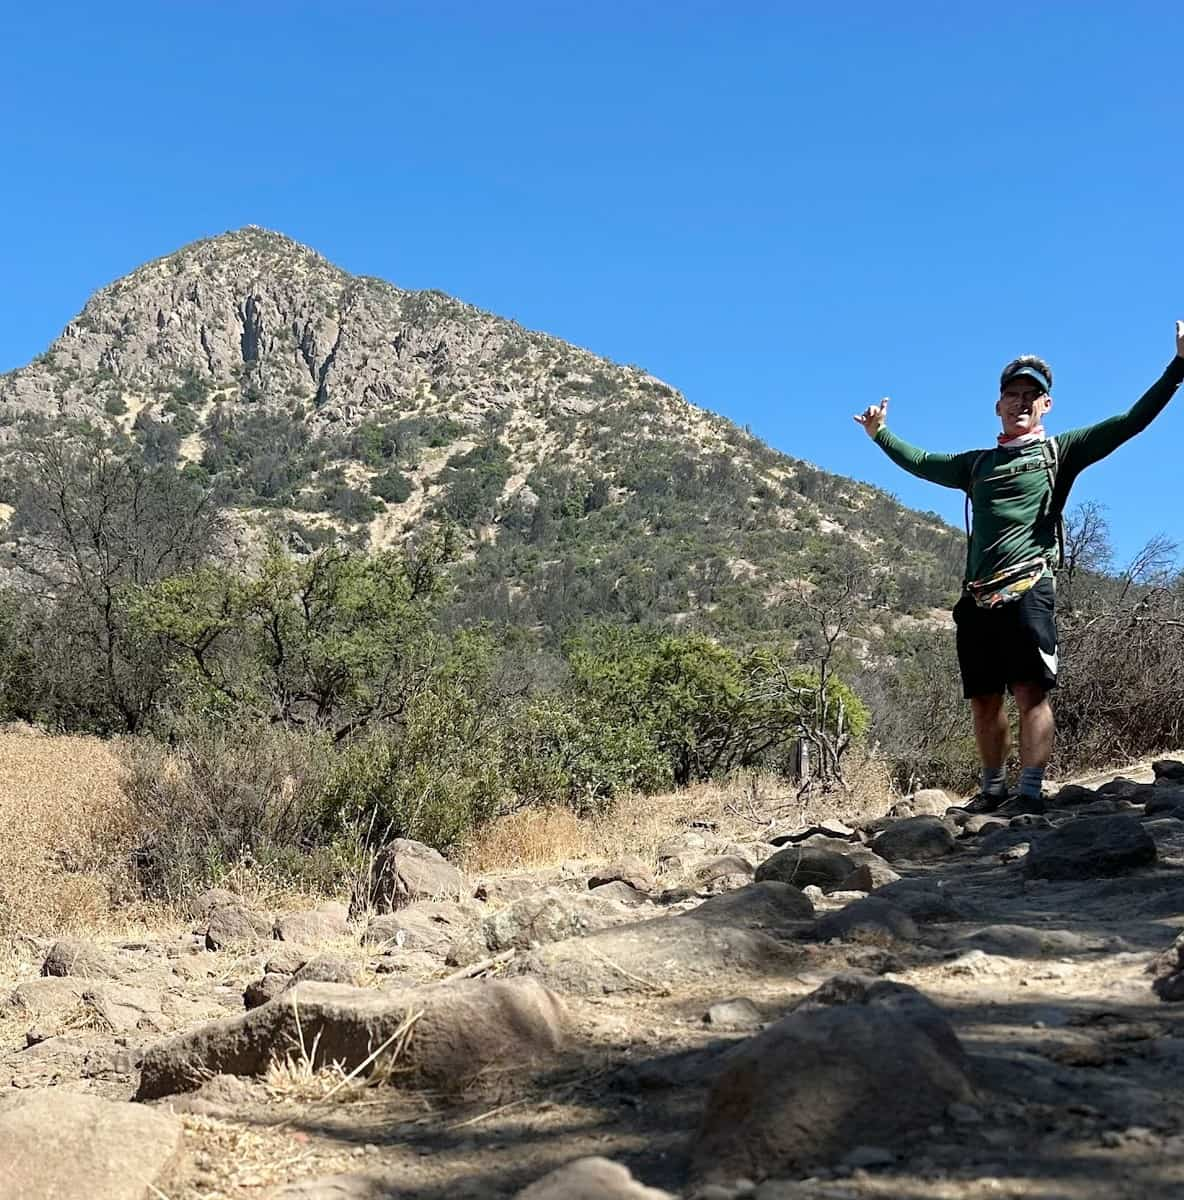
x,y
342,406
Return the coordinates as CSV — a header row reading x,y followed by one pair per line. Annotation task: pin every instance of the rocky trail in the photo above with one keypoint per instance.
x,y
932,1005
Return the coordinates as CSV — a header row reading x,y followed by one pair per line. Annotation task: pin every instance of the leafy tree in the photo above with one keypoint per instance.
x,y
707,708
339,640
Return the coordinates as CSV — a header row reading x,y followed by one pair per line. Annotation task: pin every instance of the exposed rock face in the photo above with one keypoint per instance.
x,y
869,919
631,870
552,916
327,921
654,955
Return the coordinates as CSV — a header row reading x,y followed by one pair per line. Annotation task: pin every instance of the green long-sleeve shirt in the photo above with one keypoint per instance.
x,y
1014,511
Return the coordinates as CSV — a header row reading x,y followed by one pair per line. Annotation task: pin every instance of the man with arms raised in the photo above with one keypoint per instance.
x,y
1006,623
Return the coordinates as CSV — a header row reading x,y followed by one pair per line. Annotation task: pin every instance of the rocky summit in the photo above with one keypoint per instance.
x,y
326,406
981,1025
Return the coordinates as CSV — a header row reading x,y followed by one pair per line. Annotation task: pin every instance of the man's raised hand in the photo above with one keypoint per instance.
x,y
1180,338
873,417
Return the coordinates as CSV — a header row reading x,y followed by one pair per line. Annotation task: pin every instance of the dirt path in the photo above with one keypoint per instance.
x,y
1075,1061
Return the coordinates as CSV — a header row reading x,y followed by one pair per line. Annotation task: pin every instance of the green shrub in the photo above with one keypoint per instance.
x,y
392,486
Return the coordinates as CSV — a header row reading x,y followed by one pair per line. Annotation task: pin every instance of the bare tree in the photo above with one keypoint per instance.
x,y
92,523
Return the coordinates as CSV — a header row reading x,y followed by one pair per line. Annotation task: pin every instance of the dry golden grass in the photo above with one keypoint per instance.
x,y
67,833
741,809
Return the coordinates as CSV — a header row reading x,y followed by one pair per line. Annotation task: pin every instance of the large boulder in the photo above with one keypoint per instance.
x,y
766,905
235,925
802,866
1168,969
868,876
1090,847
406,871
868,920
631,870
722,872
879,1069
590,1179
57,1144
71,956
916,839
928,802
324,923
458,1031
1168,770
1165,801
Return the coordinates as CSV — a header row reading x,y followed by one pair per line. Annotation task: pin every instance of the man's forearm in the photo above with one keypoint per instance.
x,y
949,470
1088,445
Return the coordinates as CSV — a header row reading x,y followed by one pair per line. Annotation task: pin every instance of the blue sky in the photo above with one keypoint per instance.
x,y
785,212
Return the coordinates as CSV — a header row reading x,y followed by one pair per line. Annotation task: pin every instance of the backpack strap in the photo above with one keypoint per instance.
x,y
1052,460
970,490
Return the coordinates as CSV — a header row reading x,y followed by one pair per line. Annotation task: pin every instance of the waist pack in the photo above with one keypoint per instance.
x,y
1007,585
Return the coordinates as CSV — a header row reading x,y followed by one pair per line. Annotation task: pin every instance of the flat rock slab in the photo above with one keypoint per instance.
x,y
879,1070
868,876
235,925
622,893
431,925
58,1145
363,1186
1021,941
114,1007
631,870
463,1029
552,915
740,1013
653,955
591,1179
1091,847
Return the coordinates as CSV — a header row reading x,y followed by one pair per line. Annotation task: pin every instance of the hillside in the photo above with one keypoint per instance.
x,y
326,405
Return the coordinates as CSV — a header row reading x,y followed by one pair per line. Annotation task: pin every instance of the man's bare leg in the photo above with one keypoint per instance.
x,y
990,730
1037,725
1037,728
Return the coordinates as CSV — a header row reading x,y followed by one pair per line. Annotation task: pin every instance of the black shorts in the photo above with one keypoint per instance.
x,y
1014,643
